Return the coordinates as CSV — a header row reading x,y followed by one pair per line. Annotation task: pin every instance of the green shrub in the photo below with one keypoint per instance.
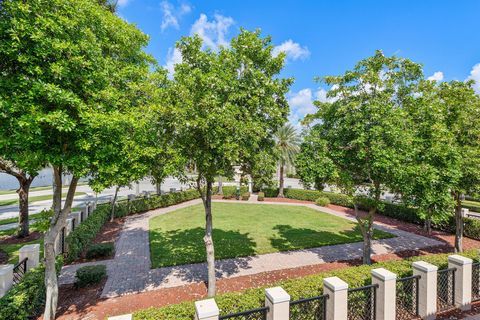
x,y
322,201
89,275
245,196
261,196
305,287
84,234
26,300
229,192
100,250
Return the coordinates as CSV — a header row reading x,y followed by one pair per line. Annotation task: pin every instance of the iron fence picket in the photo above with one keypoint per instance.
x,y
309,308
362,303
445,289
19,270
476,281
253,314
407,298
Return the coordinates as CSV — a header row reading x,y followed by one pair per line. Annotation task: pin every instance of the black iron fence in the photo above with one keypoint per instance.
x,y
62,241
254,314
445,289
19,270
309,309
476,281
407,298
361,303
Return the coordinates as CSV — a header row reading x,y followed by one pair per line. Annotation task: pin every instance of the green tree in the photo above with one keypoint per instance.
x,y
430,174
288,145
312,163
462,111
227,105
77,61
366,130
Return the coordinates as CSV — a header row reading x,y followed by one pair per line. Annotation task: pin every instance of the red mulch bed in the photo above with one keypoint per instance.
x,y
109,233
13,239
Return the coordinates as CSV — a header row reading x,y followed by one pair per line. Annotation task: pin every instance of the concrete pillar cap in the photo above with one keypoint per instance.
x,y
460,260
6,268
30,248
335,284
277,295
424,266
383,274
206,308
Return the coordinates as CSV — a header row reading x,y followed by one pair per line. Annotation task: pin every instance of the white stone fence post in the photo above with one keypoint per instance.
x,y
6,278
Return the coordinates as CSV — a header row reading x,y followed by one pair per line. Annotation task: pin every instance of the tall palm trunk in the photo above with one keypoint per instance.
x,y
280,188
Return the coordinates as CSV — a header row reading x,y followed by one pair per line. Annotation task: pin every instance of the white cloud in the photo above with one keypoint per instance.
x,y
475,75
171,15
212,32
122,3
301,103
437,76
174,56
292,49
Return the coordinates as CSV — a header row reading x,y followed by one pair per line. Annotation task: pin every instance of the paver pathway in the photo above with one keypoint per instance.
x,y
129,271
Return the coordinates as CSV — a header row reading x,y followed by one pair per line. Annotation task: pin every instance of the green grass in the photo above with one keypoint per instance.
x,y
36,198
32,189
241,230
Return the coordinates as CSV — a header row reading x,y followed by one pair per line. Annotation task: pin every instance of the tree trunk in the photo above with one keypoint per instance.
x,y
280,189
428,222
366,228
158,187
57,223
458,225
208,239
23,221
220,185
112,216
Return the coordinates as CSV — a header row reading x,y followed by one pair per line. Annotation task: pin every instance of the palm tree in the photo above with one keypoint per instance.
x,y
287,143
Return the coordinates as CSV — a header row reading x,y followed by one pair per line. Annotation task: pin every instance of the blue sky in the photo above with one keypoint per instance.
x,y
323,37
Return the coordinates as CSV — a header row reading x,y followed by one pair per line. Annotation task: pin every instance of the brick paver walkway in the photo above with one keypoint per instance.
x,y
130,271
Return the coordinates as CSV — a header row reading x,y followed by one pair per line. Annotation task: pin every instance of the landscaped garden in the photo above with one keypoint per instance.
x,y
244,230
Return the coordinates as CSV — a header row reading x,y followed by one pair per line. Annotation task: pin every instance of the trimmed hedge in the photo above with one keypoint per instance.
x,y
100,250
245,196
308,286
392,210
230,192
27,299
83,235
322,201
89,275
261,196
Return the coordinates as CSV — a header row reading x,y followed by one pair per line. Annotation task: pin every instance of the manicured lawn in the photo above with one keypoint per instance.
x,y
240,230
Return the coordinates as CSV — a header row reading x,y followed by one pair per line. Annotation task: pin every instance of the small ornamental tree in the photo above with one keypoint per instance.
x,y
226,106
76,60
366,130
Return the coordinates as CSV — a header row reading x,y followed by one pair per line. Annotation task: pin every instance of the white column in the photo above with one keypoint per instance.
x,y
206,310
337,302
250,184
32,253
463,280
78,219
427,289
278,302
386,293
6,278
86,208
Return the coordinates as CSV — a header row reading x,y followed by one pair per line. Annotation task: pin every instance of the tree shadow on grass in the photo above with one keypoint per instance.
x,y
290,238
178,247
